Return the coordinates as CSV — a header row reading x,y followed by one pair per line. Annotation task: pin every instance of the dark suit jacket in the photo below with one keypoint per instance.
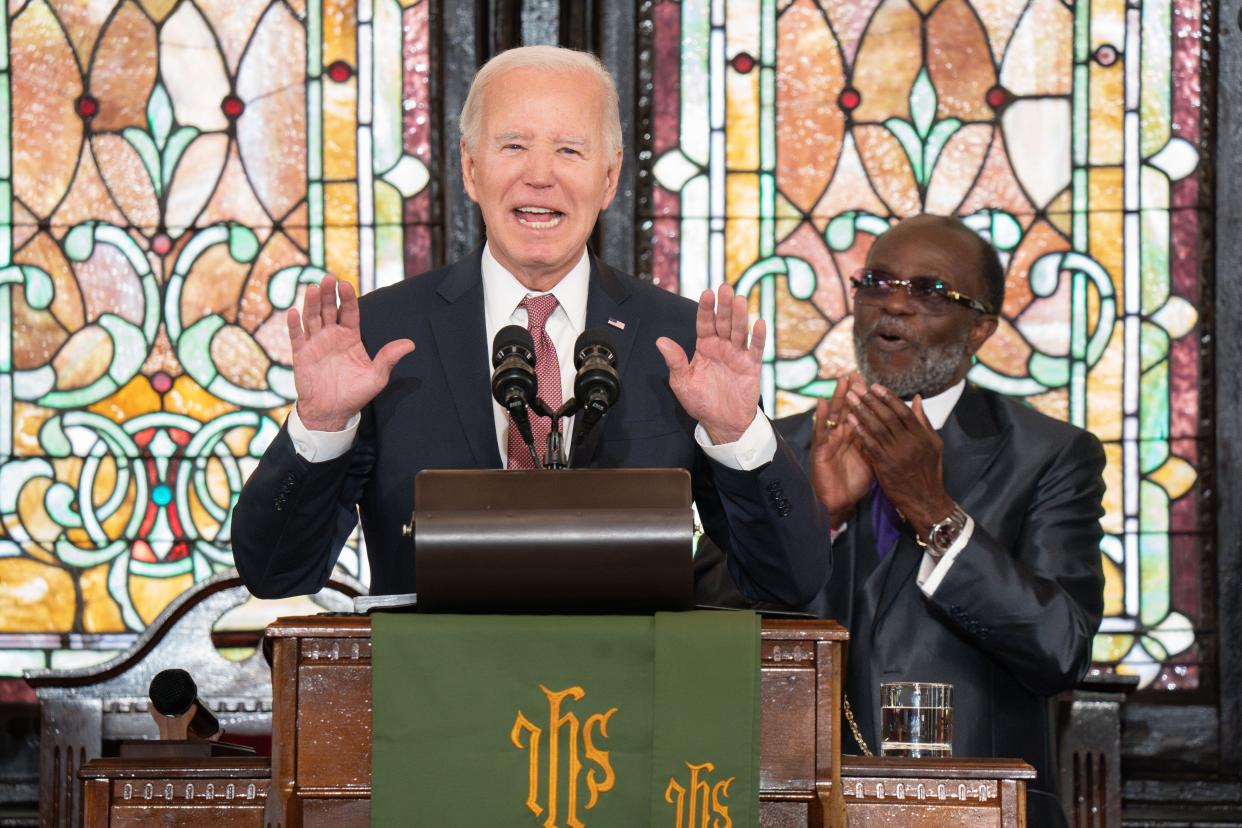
x,y
436,413
1012,622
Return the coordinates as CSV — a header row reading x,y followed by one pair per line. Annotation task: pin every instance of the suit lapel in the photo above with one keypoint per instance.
x,y
972,441
606,294
460,330
894,572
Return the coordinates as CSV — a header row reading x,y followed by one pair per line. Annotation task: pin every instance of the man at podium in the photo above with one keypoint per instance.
x,y
398,381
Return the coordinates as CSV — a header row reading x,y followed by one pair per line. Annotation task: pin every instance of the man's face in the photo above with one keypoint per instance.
x,y
897,342
541,171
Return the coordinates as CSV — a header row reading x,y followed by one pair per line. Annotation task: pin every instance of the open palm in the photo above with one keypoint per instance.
x,y
719,387
334,375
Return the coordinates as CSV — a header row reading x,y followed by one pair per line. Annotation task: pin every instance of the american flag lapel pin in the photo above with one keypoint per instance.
x,y
616,323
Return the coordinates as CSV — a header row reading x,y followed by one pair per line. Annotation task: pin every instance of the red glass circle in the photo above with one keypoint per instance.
x,y
997,97
161,382
232,106
850,99
743,62
87,106
340,71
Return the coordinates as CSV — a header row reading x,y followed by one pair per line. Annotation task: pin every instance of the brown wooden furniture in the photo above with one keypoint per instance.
x,y
321,727
888,792
931,793
1088,723
83,709
135,793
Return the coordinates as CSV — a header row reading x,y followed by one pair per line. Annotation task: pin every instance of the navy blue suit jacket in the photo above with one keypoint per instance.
x,y
436,413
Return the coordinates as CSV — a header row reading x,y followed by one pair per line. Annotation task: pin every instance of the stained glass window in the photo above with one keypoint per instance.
x,y
787,134
172,174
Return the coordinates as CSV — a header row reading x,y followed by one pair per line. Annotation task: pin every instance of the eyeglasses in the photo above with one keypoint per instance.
x,y
932,294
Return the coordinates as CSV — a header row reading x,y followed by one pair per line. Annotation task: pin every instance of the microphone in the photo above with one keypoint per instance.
x,y
596,386
174,695
514,383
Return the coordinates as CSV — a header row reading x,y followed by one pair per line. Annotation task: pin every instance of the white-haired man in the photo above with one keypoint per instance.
x,y
541,154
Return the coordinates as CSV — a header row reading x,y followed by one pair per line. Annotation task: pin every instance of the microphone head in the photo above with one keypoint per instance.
x,y
513,340
597,386
514,382
172,692
595,342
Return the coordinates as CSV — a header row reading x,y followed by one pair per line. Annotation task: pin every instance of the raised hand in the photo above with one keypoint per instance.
x,y
334,375
720,387
905,451
839,472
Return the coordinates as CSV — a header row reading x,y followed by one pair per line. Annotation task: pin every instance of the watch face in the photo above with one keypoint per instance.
x,y
943,536
944,533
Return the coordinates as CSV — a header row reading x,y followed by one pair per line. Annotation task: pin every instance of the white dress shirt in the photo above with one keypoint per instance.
x,y
502,297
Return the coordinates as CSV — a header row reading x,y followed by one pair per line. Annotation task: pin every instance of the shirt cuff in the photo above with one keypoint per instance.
x,y
320,446
754,448
932,573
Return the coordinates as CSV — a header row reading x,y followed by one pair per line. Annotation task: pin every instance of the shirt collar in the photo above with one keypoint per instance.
x,y
939,407
502,292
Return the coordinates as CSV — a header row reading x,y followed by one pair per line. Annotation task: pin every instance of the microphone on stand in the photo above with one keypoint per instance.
x,y
514,382
597,385
177,710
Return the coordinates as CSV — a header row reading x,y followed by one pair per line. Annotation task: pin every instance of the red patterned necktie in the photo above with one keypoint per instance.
x,y
548,370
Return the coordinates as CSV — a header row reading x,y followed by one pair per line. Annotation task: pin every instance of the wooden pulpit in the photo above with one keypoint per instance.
x,y
321,725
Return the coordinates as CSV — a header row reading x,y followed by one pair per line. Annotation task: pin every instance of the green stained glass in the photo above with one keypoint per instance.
x,y
1154,408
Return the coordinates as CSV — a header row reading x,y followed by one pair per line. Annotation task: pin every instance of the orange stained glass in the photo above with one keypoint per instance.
x,y
124,70
236,22
962,72
850,189
45,83
271,133
151,595
99,610
1038,59
742,92
958,167
996,187
809,126
888,167
1107,131
1013,115
29,588
888,61
233,199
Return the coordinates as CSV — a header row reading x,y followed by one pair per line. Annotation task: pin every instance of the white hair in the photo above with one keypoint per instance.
x,y
544,59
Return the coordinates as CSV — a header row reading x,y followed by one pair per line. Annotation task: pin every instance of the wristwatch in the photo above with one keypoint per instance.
x,y
944,533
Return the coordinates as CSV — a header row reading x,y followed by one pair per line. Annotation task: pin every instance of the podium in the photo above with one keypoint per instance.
x,y
321,726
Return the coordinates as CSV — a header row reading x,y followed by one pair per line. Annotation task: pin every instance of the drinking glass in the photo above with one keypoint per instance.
x,y
916,719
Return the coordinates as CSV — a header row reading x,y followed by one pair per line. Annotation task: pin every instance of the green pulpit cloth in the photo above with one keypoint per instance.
x,y
559,721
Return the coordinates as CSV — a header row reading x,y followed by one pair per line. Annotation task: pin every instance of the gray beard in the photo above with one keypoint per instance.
x,y
933,369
